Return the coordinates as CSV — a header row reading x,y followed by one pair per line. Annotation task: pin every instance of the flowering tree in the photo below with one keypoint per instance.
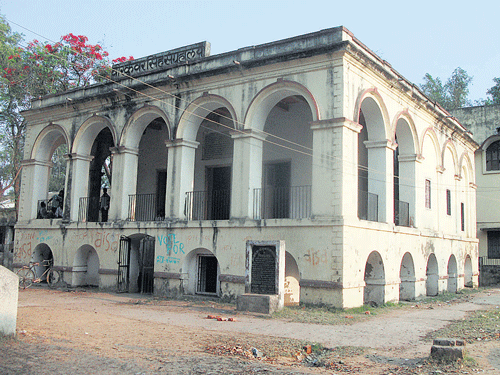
x,y
35,70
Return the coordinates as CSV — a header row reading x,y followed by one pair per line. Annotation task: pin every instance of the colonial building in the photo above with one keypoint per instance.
x,y
306,168
484,123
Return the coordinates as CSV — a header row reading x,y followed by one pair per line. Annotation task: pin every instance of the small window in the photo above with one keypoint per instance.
x,y
493,157
427,193
494,245
462,217
448,202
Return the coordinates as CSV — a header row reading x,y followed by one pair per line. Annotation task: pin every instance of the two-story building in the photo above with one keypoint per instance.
x,y
312,142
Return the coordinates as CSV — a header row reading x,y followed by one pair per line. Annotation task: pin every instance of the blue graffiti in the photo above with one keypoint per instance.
x,y
171,244
162,259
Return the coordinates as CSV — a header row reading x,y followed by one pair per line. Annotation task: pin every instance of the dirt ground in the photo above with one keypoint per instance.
x,y
88,332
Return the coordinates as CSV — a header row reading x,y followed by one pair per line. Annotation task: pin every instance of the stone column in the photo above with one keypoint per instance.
x,y
180,176
76,183
34,184
334,167
380,176
123,181
247,172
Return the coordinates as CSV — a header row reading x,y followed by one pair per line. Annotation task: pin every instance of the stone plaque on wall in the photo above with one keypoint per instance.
x,y
263,270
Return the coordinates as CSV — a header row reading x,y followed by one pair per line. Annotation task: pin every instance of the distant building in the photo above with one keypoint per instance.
x,y
484,123
307,168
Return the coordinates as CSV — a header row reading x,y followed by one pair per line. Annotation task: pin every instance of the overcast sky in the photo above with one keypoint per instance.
x,y
415,37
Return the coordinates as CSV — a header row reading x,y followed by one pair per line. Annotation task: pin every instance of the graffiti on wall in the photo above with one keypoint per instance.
x,y
161,259
173,246
315,257
26,241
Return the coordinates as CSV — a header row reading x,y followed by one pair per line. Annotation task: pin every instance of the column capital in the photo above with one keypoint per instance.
x,y
336,123
182,143
75,156
409,158
384,143
124,150
248,133
33,162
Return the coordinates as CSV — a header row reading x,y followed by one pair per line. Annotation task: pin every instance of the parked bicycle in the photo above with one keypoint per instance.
x,y
27,274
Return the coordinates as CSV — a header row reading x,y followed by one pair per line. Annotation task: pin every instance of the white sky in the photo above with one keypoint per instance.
x,y
415,37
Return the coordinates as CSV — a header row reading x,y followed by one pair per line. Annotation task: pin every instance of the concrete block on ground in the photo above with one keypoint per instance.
x,y
9,290
259,303
448,349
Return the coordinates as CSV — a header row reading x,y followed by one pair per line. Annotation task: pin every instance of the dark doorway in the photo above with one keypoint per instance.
x,y
277,190
145,280
100,152
161,191
219,192
207,274
136,264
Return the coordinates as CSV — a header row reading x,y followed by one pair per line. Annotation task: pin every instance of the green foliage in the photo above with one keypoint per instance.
x,y
32,71
451,95
494,92
58,172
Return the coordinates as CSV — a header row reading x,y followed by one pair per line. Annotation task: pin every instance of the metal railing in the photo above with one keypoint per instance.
x,y
292,202
88,210
208,205
367,206
144,207
401,213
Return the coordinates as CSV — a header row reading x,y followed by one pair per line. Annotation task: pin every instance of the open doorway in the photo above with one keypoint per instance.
x,y
136,264
277,190
219,189
207,274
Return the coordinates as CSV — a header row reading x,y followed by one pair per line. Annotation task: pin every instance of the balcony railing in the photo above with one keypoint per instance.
x,y
292,202
208,205
401,213
89,209
144,207
367,206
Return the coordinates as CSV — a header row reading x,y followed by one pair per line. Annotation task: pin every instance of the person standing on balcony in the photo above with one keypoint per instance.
x,y
57,203
104,204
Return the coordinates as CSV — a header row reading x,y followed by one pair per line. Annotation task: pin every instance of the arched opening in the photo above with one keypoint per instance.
x,y
42,255
452,274
407,276
100,172
404,174
374,292
211,198
287,174
292,281
49,172
468,272
148,204
85,267
432,282
372,145
136,264
202,269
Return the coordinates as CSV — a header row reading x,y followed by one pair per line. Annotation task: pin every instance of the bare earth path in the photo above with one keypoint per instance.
x,y
62,332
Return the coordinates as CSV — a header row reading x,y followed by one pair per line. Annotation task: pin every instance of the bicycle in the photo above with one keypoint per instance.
x,y
27,274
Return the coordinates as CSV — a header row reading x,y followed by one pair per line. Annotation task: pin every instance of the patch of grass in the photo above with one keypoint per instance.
x,y
324,314
479,325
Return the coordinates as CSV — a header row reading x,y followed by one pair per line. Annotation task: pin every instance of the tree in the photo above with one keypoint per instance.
x,y
494,92
35,70
453,94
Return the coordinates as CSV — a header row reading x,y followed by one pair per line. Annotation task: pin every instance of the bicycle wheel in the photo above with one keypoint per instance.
x,y
26,277
53,278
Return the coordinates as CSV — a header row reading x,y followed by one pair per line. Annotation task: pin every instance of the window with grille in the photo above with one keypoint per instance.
x,y
427,193
493,245
448,202
493,157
